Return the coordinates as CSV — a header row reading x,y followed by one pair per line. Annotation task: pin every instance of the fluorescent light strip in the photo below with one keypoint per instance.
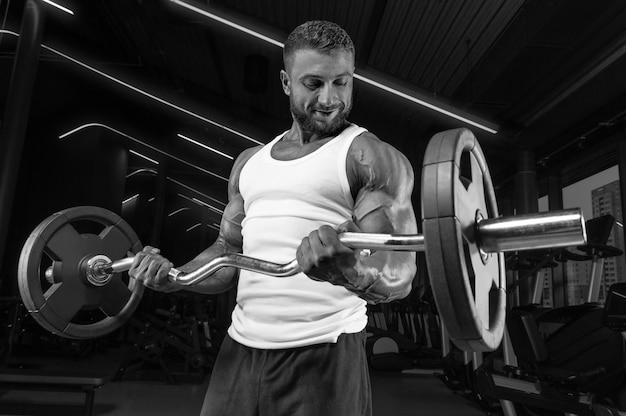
x,y
58,6
143,156
357,76
205,146
171,214
140,91
424,103
189,188
84,126
130,199
147,94
194,226
198,202
143,170
228,23
9,32
214,226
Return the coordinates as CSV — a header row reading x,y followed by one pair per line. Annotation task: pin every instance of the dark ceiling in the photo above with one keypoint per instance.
x,y
549,76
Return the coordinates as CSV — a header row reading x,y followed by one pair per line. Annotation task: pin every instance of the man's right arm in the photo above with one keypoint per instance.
x,y
229,240
151,268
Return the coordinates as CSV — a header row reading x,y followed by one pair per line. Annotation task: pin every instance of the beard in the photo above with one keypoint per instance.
x,y
326,129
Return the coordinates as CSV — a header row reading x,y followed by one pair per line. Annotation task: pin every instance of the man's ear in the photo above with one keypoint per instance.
x,y
284,81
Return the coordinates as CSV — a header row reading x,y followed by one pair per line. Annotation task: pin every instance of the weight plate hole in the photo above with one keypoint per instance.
x,y
465,169
470,270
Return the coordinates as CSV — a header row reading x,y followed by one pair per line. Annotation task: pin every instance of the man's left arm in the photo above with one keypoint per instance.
x,y
381,179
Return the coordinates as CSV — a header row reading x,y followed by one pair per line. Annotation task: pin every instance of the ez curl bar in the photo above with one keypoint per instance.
x,y
504,234
63,271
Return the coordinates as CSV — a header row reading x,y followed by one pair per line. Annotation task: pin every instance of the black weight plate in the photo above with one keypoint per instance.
x,y
63,241
468,285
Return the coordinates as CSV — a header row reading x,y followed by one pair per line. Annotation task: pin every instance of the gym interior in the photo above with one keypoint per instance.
x,y
120,121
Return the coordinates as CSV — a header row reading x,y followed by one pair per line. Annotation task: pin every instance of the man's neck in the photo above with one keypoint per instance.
x,y
303,137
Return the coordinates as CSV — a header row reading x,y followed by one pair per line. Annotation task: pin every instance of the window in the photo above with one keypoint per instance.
x,y
597,195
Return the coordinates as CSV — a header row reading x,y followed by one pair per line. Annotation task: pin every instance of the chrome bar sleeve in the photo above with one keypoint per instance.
x,y
551,229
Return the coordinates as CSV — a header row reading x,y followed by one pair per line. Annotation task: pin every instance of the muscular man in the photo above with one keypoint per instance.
x,y
296,345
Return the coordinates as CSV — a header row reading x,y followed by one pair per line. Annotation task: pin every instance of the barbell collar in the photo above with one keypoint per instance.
x,y
93,273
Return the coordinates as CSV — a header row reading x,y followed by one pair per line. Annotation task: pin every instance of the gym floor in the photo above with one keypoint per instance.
x,y
394,393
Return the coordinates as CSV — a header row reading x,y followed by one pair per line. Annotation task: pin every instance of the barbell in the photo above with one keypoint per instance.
x,y
71,280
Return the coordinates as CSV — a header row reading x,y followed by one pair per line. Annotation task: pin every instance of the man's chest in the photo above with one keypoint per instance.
x,y
290,150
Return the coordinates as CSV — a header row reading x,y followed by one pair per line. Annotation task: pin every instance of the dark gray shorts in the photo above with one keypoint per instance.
x,y
318,380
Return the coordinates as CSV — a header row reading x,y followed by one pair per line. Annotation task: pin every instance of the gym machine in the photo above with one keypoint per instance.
x,y
572,359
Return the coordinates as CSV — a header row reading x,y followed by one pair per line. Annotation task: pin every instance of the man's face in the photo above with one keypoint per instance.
x,y
319,87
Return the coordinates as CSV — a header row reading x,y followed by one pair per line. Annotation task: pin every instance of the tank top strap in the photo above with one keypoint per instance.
x,y
346,138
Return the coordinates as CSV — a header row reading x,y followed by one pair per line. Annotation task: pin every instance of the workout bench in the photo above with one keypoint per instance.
x,y
32,380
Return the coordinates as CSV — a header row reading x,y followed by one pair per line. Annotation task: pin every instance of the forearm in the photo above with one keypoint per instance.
x,y
220,281
382,277
229,240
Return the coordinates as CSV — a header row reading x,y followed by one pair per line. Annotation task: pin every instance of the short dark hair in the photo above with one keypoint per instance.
x,y
319,35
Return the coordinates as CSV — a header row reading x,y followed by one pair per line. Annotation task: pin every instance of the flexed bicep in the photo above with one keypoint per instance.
x,y
383,178
382,182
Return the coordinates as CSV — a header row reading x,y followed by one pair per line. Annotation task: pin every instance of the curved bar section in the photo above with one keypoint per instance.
x,y
225,260
235,260
382,242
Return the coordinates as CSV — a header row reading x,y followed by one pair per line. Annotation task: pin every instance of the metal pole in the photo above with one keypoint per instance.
x,y
597,268
15,119
159,212
539,281
559,273
526,202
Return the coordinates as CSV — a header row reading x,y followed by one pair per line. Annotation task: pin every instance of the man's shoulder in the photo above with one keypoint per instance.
x,y
240,162
373,162
367,143
245,155
251,151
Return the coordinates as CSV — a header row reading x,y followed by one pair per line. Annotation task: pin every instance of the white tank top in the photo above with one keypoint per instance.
x,y
284,201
